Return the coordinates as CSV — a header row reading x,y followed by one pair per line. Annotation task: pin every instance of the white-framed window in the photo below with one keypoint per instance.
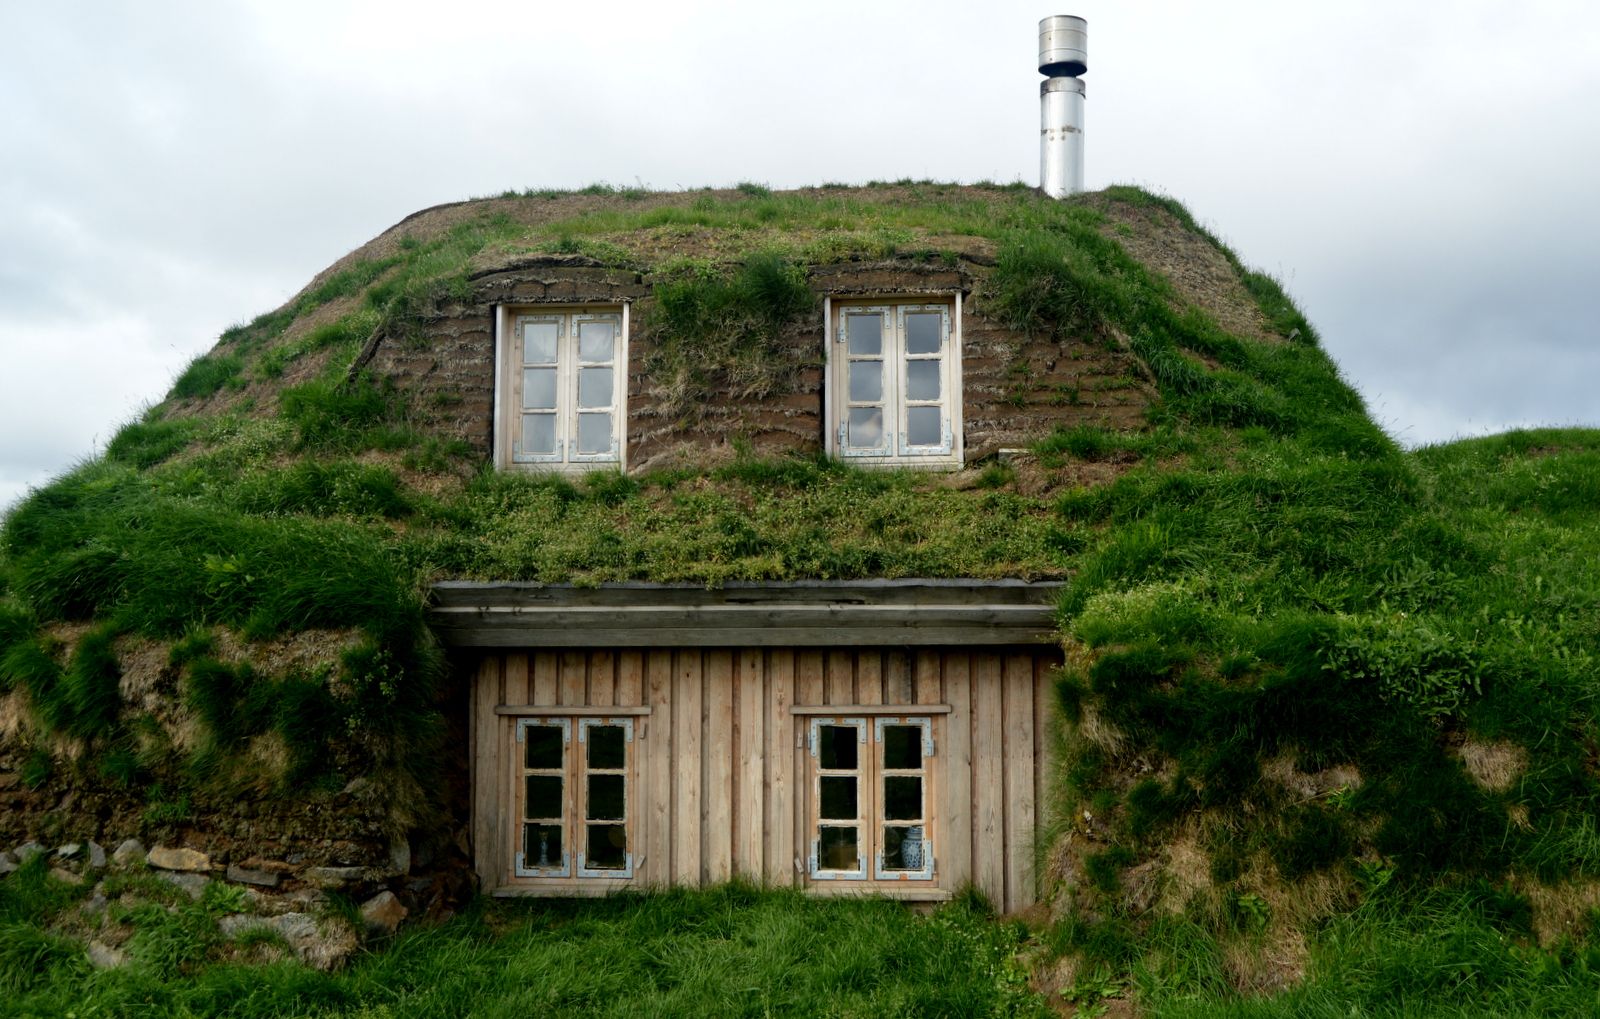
x,y
575,798
561,387
894,393
870,790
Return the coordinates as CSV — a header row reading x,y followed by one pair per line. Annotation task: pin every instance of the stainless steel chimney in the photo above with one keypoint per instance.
x,y
1063,56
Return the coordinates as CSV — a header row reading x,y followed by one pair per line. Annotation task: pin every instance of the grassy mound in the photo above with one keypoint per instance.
x,y
1328,704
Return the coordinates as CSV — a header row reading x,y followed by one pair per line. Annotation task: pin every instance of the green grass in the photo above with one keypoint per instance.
x,y
727,951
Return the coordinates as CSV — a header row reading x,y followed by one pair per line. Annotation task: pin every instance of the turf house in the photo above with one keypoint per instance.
x,y
908,539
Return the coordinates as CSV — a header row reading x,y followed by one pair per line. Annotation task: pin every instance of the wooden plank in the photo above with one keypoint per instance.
x,y
778,858
602,678
750,778
841,678
869,677
897,687
687,689
545,683
928,684
717,836
574,686
988,780
630,678
1017,711
657,863
845,593
487,811
516,688
955,846
808,679
918,630
1043,744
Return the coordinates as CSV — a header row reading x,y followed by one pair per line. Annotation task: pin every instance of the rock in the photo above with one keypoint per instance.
x,y
165,858
95,906
8,863
382,914
69,851
400,856
332,945
333,877
249,876
103,956
97,856
66,876
129,854
27,851
323,945
194,884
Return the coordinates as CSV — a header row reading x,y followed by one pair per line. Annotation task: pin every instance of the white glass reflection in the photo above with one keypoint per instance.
x,y
538,433
922,332
866,428
539,342
538,388
922,426
922,380
594,433
866,381
865,333
594,387
595,341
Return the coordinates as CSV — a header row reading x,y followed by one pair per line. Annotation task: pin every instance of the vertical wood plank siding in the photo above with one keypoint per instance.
x,y
721,766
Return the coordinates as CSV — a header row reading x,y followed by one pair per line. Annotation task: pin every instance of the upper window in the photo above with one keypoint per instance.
x,y
895,394
562,384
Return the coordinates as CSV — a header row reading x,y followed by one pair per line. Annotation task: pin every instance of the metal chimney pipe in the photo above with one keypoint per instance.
x,y
1063,56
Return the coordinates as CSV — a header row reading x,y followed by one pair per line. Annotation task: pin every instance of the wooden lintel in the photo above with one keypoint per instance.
x,y
543,711
895,710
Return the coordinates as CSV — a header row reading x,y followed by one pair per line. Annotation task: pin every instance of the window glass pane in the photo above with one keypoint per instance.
x,y
594,387
607,848
538,389
836,848
594,433
902,797
539,342
922,426
607,746
541,845
922,379
904,847
922,332
607,801
596,340
864,333
543,796
902,747
542,746
538,433
838,798
837,747
866,381
866,428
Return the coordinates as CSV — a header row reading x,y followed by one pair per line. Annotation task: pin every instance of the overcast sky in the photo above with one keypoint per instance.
x,y
1421,175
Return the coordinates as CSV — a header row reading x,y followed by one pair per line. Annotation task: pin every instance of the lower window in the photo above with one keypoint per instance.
x,y
870,799
575,798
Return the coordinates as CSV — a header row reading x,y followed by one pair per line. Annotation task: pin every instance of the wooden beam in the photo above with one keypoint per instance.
x,y
895,710
540,711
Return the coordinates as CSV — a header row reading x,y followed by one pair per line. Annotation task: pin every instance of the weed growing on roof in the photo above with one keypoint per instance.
x,y
715,332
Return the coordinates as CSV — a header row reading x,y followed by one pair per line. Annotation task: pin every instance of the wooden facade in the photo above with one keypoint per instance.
x,y
908,755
